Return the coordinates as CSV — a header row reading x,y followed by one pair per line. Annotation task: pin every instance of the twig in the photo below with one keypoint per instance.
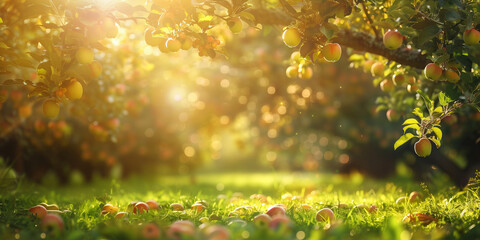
x,y
369,19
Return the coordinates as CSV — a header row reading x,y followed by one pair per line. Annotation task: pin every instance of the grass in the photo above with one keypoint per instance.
x,y
454,213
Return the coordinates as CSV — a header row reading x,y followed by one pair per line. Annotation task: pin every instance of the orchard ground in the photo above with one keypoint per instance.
x,y
233,200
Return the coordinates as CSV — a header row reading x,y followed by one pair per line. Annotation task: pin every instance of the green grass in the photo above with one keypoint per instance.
x,y
456,212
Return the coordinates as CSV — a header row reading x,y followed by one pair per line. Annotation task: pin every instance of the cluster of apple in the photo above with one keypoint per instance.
x,y
86,28
206,45
330,52
299,67
50,216
156,38
434,72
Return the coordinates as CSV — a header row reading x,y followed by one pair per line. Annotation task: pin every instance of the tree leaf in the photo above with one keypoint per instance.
x,y
438,132
403,139
427,100
411,126
436,141
418,112
410,121
444,99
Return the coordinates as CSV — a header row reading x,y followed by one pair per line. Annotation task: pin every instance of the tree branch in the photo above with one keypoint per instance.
x,y
359,41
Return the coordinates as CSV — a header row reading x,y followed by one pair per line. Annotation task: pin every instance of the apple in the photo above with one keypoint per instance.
x,y
151,231
292,71
291,37
152,40
235,24
398,79
50,108
377,69
305,72
367,65
412,88
25,110
471,36
181,229
411,79
414,197
275,210
423,147
95,69
387,85
262,219
163,45
373,208
342,205
418,217
121,215
74,90
40,126
52,222
433,71
177,207
401,200
451,75
186,43
325,214
216,232
38,211
109,208
140,207
198,207
392,115
173,45
295,57
84,55
392,39
280,221
332,52
152,204
306,207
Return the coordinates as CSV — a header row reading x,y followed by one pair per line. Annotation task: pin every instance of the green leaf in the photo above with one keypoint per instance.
x,y
427,100
438,109
436,141
410,121
418,112
444,99
438,132
411,126
403,139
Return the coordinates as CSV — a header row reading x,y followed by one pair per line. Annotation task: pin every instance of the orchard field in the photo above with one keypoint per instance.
x,y
239,119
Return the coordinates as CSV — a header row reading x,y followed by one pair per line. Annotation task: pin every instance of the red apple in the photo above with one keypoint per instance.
x,y
423,147
392,39
38,211
471,36
52,222
140,207
433,71
325,214
332,52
